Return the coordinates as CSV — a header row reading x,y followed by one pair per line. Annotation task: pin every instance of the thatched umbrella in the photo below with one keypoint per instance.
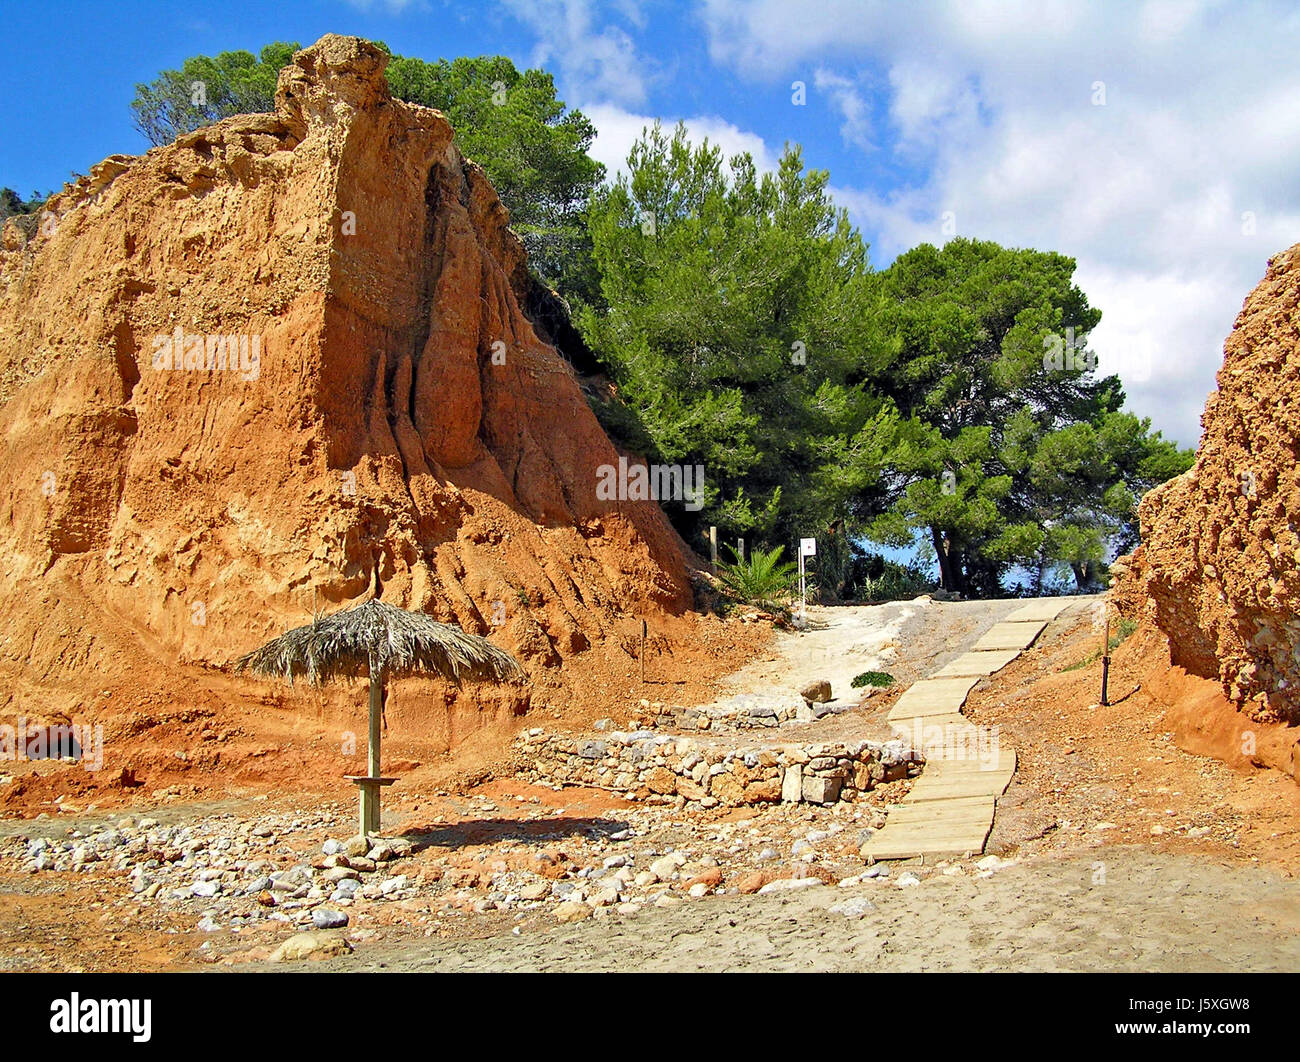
x,y
379,641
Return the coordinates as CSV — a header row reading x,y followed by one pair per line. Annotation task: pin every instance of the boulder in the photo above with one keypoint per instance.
x,y
311,945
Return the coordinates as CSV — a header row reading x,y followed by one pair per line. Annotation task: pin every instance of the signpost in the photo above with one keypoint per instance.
x,y
807,548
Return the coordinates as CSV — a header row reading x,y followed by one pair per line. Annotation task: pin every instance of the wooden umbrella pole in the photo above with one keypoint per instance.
x,y
370,793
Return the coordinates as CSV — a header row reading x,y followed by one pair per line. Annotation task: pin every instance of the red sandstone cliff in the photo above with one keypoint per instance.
x,y
400,399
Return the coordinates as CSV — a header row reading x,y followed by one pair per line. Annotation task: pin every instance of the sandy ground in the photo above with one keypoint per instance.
x,y
1114,908
1115,849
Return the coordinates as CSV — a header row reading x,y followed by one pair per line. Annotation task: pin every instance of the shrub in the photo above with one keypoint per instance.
x,y
761,579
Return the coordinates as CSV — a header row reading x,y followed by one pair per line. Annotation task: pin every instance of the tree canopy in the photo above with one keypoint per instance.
x,y
1013,450
739,325
950,396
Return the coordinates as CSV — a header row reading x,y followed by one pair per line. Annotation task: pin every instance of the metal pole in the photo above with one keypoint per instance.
x,y
643,652
713,549
1105,657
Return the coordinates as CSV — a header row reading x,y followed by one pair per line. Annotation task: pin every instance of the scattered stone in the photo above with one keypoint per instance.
x,y
571,911
311,945
665,867
858,907
328,918
789,885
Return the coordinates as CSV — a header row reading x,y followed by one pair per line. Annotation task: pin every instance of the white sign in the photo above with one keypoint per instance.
x,y
807,547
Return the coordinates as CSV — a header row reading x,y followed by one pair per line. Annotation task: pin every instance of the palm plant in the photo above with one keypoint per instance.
x,y
761,579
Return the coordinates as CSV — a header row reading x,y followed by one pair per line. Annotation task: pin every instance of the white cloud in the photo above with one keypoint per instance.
x,y
992,103
594,61
848,100
618,129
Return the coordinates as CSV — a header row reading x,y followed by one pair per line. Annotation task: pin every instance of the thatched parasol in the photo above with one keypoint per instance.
x,y
379,641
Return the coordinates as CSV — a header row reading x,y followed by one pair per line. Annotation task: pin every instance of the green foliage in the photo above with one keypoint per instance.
x,y
1005,457
12,206
759,579
532,147
878,579
879,679
1123,629
738,326
208,88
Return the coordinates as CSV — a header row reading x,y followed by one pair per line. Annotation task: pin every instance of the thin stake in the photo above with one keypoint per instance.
x,y
1105,658
643,626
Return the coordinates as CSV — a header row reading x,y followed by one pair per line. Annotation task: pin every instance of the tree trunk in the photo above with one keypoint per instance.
x,y
949,574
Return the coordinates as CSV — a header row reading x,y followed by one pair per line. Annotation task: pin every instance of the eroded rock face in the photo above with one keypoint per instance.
x,y
171,483
1219,567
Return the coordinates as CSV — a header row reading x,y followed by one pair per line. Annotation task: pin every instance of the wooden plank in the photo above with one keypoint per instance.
x,y
932,697
943,813
954,847
938,768
936,732
1018,635
961,787
985,662
1045,608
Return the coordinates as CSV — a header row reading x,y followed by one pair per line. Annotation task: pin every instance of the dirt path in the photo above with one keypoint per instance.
x,y
907,639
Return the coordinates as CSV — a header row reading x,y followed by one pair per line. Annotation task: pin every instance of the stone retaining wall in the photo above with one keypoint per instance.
x,y
644,765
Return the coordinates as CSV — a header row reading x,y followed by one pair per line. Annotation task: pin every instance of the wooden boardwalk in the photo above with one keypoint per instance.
x,y
949,812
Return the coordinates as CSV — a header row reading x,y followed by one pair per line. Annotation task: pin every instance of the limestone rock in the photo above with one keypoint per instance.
x,y
1218,570
320,944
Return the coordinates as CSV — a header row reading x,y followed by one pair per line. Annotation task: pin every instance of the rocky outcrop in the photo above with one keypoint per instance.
x,y
234,369
1218,570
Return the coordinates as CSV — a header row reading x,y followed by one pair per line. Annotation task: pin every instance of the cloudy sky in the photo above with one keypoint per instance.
x,y
1157,143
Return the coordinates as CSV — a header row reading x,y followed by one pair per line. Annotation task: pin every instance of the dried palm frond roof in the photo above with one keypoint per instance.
x,y
393,640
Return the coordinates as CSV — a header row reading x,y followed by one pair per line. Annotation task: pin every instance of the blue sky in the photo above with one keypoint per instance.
x,y
1157,142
